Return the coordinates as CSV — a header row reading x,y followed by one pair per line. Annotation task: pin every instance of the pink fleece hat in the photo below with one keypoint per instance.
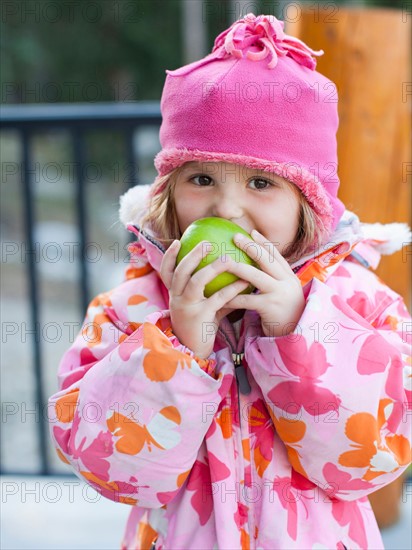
x,y
256,100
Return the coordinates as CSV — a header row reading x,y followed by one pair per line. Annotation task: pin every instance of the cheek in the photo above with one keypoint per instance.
x,y
186,210
281,220
182,216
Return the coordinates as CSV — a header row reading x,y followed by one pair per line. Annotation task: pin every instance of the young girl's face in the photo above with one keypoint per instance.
x,y
251,198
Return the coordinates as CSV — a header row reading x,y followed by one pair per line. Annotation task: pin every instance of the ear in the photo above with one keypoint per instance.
x,y
134,204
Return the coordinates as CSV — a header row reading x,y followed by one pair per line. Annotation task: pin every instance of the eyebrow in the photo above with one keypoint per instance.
x,y
199,167
197,170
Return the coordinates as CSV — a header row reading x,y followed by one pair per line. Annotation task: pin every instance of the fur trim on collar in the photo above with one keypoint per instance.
x,y
387,238
134,204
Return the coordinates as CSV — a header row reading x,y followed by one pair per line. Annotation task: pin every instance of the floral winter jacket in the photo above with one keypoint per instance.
x,y
268,443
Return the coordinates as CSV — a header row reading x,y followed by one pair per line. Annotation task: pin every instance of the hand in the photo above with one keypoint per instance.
x,y
195,319
280,302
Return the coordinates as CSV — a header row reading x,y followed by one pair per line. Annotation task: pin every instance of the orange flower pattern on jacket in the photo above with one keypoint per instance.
x,y
66,406
118,491
291,432
161,362
244,540
92,332
134,272
224,419
372,451
262,442
319,267
146,536
159,431
62,457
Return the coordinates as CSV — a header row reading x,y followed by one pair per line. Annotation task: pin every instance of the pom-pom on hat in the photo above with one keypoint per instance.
x,y
256,100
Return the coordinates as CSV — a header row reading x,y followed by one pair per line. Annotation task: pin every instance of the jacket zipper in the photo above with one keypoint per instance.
x,y
243,387
242,381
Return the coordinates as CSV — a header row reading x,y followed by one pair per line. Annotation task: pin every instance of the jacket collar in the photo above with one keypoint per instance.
x,y
147,245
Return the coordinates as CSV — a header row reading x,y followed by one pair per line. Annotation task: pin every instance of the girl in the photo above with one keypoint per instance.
x,y
256,420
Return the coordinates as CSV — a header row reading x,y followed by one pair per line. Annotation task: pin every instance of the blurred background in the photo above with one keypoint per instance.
x,y
80,87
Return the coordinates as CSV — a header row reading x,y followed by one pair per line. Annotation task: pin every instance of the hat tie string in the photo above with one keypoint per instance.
x,y
265,32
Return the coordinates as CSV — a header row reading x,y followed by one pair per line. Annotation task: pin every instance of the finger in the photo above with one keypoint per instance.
x,y
245,301
258,278
196,282
258,237
225,294
261,255
183,272
168,264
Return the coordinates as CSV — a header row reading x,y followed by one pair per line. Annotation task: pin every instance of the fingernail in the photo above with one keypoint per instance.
x,y
240,237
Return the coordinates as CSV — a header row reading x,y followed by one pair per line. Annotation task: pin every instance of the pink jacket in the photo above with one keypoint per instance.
x,y
270,442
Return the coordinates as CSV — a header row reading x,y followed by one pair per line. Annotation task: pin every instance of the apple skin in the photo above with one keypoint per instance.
x,y
219,232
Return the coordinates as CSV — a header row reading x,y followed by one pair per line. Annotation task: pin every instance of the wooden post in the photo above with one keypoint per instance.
x,y
367,55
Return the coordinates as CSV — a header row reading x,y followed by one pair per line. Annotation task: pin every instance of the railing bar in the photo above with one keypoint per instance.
x,y
18,473
131,155
124,113
133,163
42,429
77,119
79,162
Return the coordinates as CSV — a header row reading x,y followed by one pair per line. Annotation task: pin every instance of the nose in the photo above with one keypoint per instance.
x,y
227,204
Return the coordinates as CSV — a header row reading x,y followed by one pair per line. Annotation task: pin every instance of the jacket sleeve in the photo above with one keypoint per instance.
x,y
339,388
131,413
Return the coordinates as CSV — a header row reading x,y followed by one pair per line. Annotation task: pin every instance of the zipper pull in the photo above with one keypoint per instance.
x,y
241,377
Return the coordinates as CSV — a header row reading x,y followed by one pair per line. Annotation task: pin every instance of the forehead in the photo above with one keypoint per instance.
x,y
224,169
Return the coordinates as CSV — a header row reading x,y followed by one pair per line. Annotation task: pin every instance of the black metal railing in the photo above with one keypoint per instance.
x,y
29,120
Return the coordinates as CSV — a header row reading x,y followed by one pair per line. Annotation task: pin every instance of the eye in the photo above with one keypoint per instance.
x,y
261,183
201,180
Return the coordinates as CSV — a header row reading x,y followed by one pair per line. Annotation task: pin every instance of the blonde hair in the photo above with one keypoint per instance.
x,y
161,218
311,230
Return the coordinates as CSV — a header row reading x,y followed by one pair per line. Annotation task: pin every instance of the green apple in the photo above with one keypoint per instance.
x,y
219,232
